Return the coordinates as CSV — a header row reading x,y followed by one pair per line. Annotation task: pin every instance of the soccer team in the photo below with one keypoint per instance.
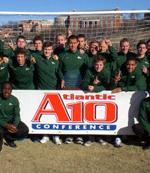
x,y
71,64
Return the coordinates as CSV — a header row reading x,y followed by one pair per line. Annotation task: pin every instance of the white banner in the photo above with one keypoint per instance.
x,y
76,112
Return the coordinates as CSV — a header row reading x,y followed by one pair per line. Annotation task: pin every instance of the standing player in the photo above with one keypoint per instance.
x,y
123,54
73,65
20,44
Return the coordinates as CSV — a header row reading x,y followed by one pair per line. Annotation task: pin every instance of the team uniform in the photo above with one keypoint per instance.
x,y
121,60
47,73
142,129
10,53
143,62
111,57
91,75
10,113
21,76
73,67
130,81
3,73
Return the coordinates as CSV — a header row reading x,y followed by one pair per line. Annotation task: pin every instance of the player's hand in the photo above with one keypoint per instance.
x,y
32,60
96,81
62,86
82,51
5,60
116,90
55,57
90,88
11,128
144,69
118,77
12,45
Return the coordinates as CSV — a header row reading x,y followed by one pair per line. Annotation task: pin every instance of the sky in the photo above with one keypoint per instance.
x,y
68,5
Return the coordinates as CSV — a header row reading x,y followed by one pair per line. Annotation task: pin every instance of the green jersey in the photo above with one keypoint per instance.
x,y
144,114
21,76
3,73
130,81
9,111
47,73
91,75
73,66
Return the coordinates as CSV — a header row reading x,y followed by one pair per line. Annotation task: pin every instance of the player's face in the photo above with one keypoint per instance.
x,y
131,66
6,91
61,40
82,42
73,45
21,43
103,46
124,47
99,66
48,51
38,45
142,49
94,48
20,59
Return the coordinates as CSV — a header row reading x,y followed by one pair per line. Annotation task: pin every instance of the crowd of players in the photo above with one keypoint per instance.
x,y
73,64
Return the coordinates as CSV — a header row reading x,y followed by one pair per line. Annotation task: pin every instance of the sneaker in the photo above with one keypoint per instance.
x,y
102,142
56,140
11,144
79,140
146,146
1,144
44,139
118,142
88,143
69,140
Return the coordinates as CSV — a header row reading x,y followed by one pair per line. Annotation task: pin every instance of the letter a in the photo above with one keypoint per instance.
x,y
57,108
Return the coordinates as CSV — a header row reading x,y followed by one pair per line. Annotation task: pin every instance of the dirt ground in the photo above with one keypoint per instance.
x,y
31,157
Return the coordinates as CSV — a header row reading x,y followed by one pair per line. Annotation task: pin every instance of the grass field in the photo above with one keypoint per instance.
x,y
31,157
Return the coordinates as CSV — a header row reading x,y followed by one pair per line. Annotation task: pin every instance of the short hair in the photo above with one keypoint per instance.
x,y
124,40
20,51
61,34
94,41
37,37
47,44
99,58
20,37
72,37
140,42
81,36
6,83
133,58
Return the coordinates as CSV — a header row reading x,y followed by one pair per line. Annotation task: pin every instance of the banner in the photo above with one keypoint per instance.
x,y
76,112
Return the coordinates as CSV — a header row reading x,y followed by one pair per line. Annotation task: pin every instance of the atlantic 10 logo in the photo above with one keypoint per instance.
x,y
83,110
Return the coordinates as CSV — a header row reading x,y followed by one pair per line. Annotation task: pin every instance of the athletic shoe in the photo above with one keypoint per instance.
x,y
102,142
69,140
11,144
44,139
118,142
88,143
146,145
56,140
79,140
